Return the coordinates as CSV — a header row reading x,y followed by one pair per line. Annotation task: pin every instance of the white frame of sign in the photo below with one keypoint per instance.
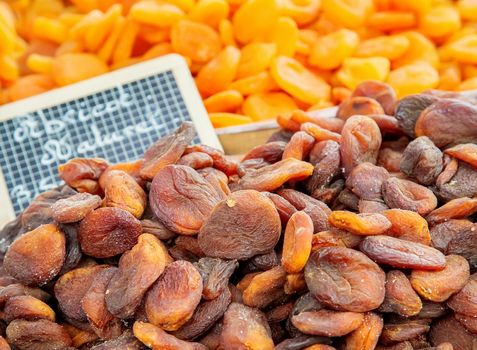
x,y
172,62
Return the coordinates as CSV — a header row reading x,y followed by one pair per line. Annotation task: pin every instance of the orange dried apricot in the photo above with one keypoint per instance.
x,y
267,105
195,40
217,74
298,81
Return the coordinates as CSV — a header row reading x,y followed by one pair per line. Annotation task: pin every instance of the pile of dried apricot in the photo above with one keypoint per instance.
x,y
252,59
355,232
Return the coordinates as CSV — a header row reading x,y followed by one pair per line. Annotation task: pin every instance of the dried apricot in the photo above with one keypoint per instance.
x,y
27,260
330,269
171,301
245,327
438,286
138,269
297,242
108,231
254,227
402,254
182,199
400,296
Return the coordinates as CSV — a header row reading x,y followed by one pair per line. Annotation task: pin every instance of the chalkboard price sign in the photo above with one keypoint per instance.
x,y
115,116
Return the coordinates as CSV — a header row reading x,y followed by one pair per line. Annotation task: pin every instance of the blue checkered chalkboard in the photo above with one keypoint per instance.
x,y
117,123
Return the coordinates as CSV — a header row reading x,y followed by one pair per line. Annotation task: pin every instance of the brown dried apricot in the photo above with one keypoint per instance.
x,y
366,179
273,176
327,323
74,208
443,233
72,287
438,286
245,328
359,224
138,269
29,262
405,194
108,231
466,152
464,302
325,156
253,227
422,160
402,331
402,254
157,229
28,308
299,146
83,174
284,208
409,108
93,303
122,191
167,150
360,142
215,275
221,162
400,297
450,330
408,225
316,210
182,199
38,335
459,183
447,122
157,339
381,92
319,133
297,242
458,208
345,279
358,105
265,287
205,316
196,160
271,152
126,341
173,298
366,336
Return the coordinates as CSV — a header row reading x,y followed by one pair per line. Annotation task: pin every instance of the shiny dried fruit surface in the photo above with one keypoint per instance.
x,y
122,191
345,279
138,269
361,140
402,254
107,232
29,262
182,199
75,208
173,298
400,296
83,174
167,150
365,224
273,176
405,194
408,225
438,286
422,160
327,323
254,227
297,242
448,122
40,334
72,287
245,327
